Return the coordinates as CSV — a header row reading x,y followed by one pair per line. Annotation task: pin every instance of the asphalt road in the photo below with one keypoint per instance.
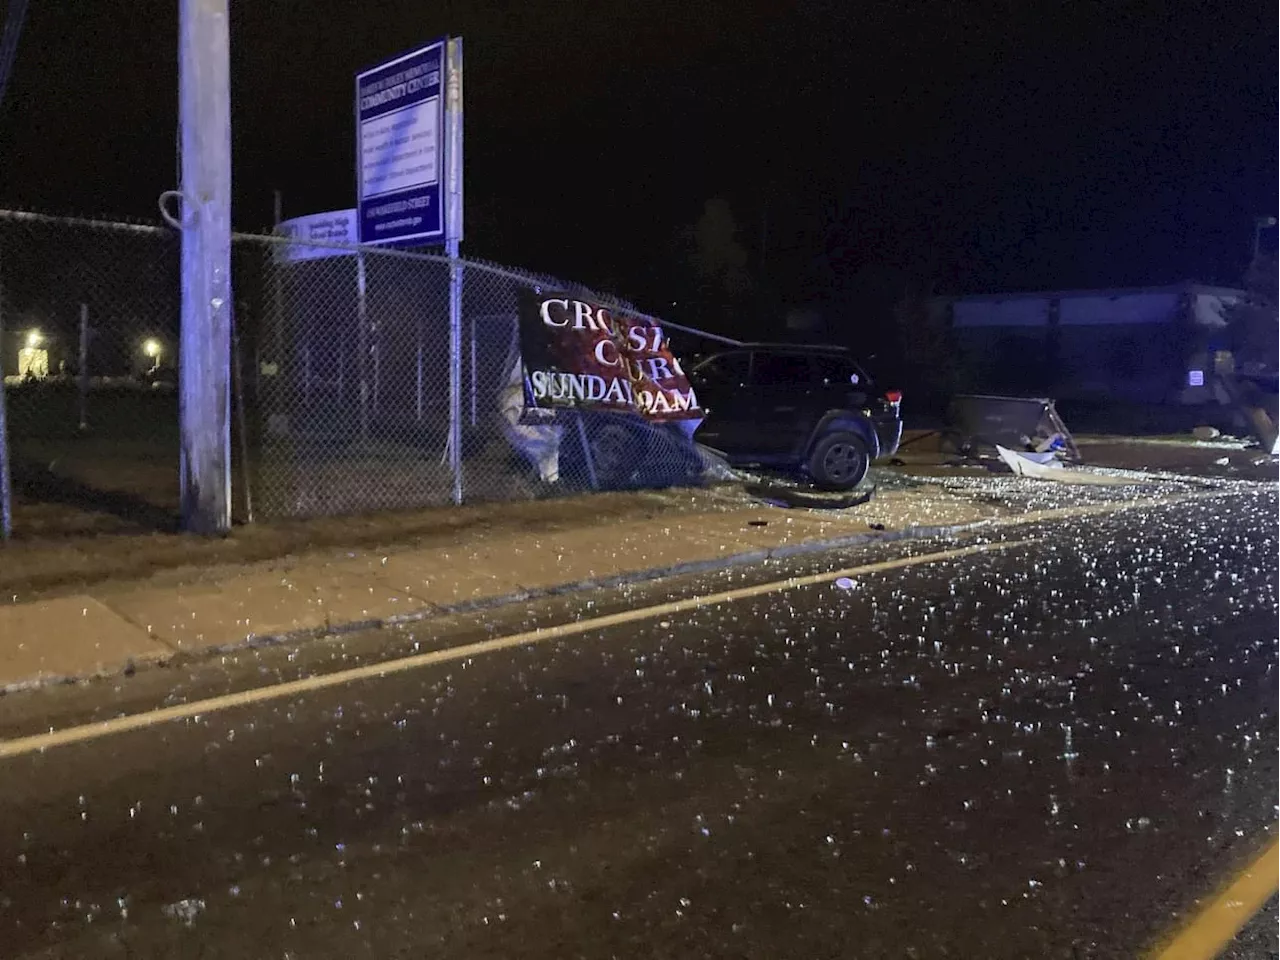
x,y
1052,749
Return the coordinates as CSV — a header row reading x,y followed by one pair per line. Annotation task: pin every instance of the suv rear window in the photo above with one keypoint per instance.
x,y
781,368
838,370
726,368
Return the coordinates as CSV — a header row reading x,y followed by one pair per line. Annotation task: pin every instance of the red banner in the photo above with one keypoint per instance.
x,y
581,355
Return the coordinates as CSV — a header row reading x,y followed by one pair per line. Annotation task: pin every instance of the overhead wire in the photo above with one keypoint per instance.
x,y
9,42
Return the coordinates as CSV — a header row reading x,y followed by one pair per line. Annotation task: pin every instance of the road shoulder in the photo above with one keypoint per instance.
x,y
121,626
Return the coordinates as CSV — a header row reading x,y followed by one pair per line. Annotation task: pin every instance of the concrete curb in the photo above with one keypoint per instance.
x,y
684,569
648,575
747,558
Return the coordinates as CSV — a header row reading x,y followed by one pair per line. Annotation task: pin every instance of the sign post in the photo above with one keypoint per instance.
x,y
409,182
453,237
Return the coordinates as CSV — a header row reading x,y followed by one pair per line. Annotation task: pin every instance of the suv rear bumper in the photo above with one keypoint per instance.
x,y
889,432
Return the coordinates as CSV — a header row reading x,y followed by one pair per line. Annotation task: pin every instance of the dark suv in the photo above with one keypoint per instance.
x,y
811,408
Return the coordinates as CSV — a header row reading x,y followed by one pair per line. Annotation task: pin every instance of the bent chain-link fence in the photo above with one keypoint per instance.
x,y
354,379
344,383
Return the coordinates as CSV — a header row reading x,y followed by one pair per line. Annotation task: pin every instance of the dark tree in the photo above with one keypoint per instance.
x,y
931,367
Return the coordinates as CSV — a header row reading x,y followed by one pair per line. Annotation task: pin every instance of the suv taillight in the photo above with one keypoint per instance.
x,y
893,397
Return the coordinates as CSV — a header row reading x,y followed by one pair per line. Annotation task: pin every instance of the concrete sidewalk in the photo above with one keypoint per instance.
x,y
116,626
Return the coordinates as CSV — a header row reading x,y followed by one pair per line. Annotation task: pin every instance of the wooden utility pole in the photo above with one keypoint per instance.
x,y
204,372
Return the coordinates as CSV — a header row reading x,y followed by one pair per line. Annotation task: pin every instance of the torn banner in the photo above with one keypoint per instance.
x,y
582,355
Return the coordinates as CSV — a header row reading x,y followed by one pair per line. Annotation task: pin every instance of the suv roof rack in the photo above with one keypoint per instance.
x,y
794,347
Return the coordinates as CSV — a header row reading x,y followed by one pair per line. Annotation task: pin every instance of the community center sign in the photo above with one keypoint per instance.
x,y
582,355
401,148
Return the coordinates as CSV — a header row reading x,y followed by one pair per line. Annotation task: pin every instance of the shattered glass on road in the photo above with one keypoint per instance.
x,y
1048,750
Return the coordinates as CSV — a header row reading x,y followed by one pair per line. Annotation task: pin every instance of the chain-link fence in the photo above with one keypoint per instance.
x,y
350,383
88,349
355,385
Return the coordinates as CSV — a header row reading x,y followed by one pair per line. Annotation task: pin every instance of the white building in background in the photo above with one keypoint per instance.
x,y
1147,345
32,355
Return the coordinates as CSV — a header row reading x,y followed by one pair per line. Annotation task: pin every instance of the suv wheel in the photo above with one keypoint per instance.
x,y
617,447
839,461
615,451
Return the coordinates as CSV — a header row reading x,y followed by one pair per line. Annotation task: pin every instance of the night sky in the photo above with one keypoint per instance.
x,y
973,147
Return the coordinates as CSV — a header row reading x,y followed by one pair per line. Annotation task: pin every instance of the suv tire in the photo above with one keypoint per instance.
x,y
839,461
617,445
617,450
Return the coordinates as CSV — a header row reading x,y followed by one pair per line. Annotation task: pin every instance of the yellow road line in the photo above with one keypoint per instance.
x,y
1218,921
105,728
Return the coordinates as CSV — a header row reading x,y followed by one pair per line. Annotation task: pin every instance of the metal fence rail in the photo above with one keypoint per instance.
x,y
345,387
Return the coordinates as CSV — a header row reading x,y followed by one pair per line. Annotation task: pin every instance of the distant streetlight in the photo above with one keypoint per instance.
x,y
151,347
34,339
1260,224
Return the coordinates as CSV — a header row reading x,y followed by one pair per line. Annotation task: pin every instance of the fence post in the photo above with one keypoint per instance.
x,y
419,386
277,316
237,382
455,369
84,367
473,369
362,344
6,487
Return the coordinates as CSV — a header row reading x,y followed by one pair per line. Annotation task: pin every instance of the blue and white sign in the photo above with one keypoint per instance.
x,y
401,149
337,226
